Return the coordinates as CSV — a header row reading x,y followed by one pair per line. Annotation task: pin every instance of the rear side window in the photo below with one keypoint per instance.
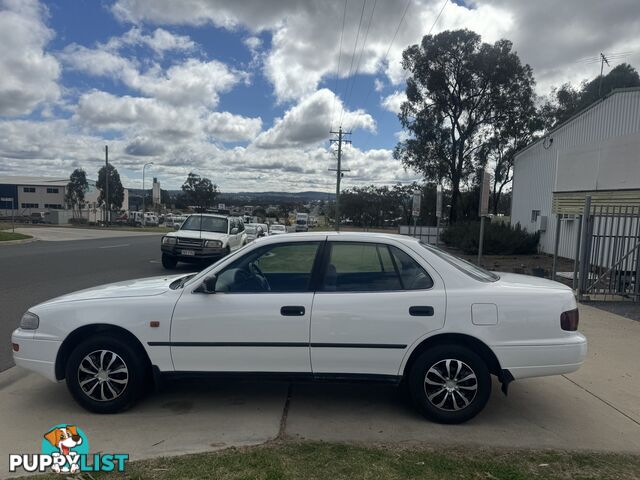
x,y
371,267
412,275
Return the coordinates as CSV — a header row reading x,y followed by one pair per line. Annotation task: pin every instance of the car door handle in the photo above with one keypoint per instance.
x,y
421,311
292,311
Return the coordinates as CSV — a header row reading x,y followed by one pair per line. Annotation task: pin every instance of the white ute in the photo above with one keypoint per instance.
x,y
316,306
202,237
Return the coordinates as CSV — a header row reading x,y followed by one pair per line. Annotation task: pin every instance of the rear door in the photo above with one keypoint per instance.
x,y
374,300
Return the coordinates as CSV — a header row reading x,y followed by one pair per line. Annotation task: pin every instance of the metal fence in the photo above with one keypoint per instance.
x,y
609,253
425,234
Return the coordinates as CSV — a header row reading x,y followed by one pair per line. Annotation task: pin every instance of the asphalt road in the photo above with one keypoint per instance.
x,y
34,272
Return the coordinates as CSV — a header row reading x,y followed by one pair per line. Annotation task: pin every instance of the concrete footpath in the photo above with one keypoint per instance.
x,y
61,234
597,408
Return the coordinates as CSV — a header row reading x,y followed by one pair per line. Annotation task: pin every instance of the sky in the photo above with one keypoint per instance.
x,y
245,92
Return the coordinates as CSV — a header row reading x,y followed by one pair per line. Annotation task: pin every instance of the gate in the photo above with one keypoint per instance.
x,y
609,253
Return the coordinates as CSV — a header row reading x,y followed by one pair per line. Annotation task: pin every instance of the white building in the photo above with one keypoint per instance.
x,y
28,195
595,153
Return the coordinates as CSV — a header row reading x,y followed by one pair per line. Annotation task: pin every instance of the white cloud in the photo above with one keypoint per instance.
x,y
159,41
232,128
28,74
309,122
394,101
252,43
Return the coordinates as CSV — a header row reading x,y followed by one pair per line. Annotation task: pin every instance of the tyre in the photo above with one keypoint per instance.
x,y
105,374
449,384
169,262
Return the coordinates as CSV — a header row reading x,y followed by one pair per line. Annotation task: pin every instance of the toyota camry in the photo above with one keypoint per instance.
x,y
311,306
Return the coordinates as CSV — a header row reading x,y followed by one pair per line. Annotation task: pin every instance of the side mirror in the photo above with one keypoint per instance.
x,y
234,231
208,285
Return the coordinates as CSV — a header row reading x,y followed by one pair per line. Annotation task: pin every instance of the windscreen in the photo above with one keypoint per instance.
x,y
205,224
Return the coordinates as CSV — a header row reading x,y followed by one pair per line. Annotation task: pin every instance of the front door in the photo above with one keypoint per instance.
x,y
374,301
258,318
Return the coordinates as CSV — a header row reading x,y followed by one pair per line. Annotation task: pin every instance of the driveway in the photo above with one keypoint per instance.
x,y
597,408
61,234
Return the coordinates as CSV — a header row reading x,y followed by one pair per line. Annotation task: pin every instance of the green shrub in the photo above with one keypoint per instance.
x,y
78,221
499,238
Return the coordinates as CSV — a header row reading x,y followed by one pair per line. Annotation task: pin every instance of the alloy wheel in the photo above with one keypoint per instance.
x,y
103,375
450,385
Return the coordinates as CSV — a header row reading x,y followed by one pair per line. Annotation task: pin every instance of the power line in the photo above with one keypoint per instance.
x,y
364,43
438,17
386,55
333,104
353,56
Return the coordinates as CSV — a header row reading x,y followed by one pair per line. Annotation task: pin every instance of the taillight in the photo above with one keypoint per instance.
x,y
569,320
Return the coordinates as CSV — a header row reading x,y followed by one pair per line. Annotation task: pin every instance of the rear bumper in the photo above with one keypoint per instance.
x,y
36,354
524,361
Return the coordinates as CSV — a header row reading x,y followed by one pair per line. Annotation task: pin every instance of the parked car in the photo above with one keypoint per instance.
x,y
202,237
277,229
253,231
366,306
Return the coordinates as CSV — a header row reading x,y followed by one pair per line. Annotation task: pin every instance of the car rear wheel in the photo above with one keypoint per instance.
x,y
449,384
105,374
169,262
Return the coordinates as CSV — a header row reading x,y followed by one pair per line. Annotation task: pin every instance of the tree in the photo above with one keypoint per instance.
x,y
116,190
199,191
76,188
566,101
516,129
457,86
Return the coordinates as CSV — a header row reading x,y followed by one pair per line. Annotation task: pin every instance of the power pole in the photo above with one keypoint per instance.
x,y
603,60
106,182
339,171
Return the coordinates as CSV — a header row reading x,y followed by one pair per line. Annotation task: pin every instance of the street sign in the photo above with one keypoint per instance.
x,y
415,209
484,194
439,201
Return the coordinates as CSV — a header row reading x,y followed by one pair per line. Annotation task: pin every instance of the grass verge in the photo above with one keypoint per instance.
x,y
6,236
311,460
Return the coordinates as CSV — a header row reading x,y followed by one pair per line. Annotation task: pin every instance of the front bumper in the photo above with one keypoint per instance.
x,y
539,360
36,353
199,253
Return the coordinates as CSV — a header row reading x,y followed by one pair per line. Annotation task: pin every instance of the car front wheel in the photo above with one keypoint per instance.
x,y
449,384
105,375
169,262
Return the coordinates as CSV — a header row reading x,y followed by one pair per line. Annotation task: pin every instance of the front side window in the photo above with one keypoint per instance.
x,y
205,224
371,267
284,267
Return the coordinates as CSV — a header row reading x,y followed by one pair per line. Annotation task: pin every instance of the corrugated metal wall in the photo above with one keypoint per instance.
x,y
535,167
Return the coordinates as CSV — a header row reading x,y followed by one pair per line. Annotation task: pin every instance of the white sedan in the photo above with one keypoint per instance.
x,y
331,306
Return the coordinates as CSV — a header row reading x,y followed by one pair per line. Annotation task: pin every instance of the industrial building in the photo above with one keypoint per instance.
x,y
23,196
594,157
596,153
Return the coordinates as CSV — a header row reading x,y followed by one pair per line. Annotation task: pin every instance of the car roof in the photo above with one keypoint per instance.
x,y
356,235
213,215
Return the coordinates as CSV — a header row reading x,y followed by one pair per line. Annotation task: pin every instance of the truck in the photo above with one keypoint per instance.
x,y
302,222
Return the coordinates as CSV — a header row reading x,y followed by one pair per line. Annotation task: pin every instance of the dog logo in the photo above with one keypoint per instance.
x,y
66,440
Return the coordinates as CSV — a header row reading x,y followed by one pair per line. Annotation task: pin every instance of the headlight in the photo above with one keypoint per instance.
x,y
213,244
168,240
29,321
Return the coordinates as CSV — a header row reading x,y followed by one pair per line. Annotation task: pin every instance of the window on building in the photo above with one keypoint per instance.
x,y
54,206
534,215
30,205
53,190
29,189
